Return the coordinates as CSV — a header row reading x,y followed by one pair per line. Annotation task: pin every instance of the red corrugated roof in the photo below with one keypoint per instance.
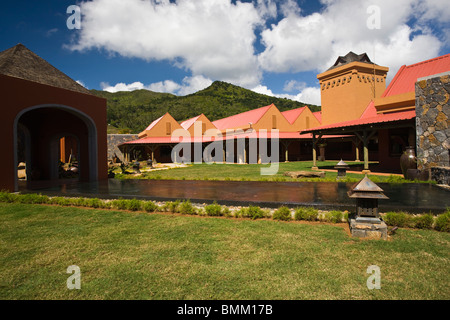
x,y
241,119
385,117
370,111
187,123
154,123
292,115
253,134
405,79
318,116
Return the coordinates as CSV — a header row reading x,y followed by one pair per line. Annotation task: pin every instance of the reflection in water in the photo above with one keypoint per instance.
x,y
326,195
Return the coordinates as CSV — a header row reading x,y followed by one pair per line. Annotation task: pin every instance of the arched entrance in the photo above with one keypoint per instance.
x,y
40,134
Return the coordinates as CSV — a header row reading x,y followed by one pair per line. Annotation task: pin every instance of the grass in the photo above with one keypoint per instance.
x,y
138,255
252,172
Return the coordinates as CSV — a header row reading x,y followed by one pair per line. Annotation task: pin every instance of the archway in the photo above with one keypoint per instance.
x,y
37,140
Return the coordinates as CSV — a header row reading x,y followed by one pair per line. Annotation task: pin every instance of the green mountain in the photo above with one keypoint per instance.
x,y
133,111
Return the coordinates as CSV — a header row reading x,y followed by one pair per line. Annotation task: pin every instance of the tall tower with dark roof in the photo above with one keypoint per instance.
x,y
348,86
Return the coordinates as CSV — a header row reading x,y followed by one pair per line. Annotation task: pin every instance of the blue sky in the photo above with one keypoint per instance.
x,y
272,47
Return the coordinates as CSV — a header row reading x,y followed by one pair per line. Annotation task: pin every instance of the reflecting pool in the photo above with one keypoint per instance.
x,y
410,197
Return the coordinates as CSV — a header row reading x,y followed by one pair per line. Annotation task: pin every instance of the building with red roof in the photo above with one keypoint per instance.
x,y
161,136
387,124
359,114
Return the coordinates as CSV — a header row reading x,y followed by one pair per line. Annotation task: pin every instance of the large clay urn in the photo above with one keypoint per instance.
x,y
408,160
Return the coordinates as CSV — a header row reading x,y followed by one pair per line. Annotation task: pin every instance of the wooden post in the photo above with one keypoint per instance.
x,y
365,140
366,152
314,141
356,143
152,150
286,150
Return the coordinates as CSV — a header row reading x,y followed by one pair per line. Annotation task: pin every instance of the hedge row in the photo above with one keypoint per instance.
x,y
399,219
424,221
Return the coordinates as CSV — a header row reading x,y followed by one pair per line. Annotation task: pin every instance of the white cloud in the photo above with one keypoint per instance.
x,y
81,83
164,86
308,95
294,85
122,86
313,42
213,38
189,85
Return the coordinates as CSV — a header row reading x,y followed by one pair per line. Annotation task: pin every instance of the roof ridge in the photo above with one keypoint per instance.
x,y
242,113
20,62
300,109
427,61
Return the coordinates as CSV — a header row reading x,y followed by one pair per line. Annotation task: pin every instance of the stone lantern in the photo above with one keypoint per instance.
x,y
366,223
342,168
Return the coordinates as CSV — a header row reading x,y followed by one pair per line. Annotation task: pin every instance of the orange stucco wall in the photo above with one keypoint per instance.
x,y
347,90
267,121
201,125
305,120
19,95
160,129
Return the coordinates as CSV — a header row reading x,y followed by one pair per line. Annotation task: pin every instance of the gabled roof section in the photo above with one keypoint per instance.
x,y
20,62
380,118
405,79
188,123
154,123
370,111
163,126
242,119
318,115
351,57
292,115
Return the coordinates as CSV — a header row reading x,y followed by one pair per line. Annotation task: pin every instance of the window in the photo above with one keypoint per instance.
x,y
274,121
168,128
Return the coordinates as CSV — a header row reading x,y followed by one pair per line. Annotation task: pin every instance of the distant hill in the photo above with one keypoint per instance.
x,y
133,111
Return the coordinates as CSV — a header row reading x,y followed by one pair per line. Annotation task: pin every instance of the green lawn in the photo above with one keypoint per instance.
x,y
253,172
125,255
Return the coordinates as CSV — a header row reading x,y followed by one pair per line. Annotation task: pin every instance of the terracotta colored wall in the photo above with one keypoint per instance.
x,y
266,121
200,121
18,95
160,129
346,91
305,120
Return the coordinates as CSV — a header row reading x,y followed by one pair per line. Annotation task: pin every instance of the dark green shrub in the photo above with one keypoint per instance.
x,y
80,202
149,206
214,209
32,198
424,221
306,213
120,204
226,212
334,216
398,219
171,206
442,222
253,212
282,213
186,208
8,197
94,203
60,201
134,205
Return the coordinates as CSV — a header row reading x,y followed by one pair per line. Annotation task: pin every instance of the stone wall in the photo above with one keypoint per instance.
x,y
114,140
433,121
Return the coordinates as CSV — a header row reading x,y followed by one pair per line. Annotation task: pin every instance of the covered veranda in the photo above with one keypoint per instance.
x,y
383,138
